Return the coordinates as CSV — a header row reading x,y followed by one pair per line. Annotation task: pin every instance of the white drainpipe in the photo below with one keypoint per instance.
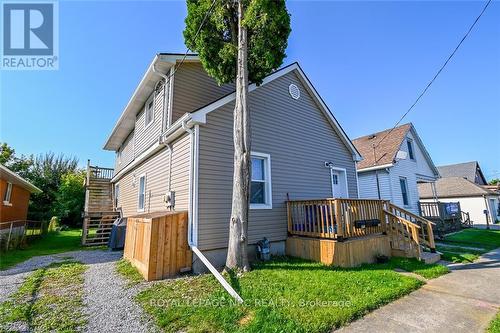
x,y
193,211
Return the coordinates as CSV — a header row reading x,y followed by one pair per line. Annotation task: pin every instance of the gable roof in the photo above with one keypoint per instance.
x,y
12,177
466,170
386,152
199,115
165,61
452,187
162,63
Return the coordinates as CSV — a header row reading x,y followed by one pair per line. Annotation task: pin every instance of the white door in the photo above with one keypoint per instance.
x,y
339,183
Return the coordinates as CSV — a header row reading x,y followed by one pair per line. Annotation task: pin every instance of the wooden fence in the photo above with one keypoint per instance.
x,y
156,244
16,233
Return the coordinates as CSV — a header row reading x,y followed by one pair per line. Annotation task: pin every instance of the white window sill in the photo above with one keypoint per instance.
x,y
7,203
261,206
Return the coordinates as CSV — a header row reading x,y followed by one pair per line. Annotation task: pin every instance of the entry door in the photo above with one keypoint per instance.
x,y
339,185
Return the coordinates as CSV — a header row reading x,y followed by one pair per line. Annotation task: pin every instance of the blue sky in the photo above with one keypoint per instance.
x,y
369,61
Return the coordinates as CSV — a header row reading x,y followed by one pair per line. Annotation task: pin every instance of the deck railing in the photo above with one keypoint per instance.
x,y
335,218
350,218
440,210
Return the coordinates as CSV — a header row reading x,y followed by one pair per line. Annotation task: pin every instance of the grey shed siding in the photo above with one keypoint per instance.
x,y
156,170
193,88
299,139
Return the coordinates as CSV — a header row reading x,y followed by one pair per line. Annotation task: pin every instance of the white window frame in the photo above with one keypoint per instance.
x,y
150,100
8,195
407,192
268,195
139,193
117,195
410,145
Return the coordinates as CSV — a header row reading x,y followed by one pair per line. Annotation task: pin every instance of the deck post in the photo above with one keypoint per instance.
x,y
430,233
338,219
289,216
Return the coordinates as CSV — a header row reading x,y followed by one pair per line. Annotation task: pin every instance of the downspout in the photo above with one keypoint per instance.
x,y
378,185
193,214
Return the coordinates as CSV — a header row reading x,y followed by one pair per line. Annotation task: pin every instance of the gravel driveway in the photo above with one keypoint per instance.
x,y
108,301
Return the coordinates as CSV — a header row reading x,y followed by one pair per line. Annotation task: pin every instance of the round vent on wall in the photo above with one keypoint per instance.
x,y
294,91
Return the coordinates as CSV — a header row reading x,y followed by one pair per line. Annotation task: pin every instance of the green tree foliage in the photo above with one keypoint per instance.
x,y
47,174
494,181
268,27
6,153
20,165
70,198
58,177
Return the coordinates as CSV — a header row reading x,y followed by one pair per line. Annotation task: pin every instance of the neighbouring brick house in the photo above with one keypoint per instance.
x,y
15,192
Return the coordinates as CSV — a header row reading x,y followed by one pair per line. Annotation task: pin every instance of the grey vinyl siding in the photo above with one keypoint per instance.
x,y
298,138
145,137
127,152
193,88
368,185
156,170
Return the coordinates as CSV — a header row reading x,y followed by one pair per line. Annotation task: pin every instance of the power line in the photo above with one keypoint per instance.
x,y
435,76
194,38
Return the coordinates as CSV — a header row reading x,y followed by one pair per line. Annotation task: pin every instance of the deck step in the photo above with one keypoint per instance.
x,y
429,257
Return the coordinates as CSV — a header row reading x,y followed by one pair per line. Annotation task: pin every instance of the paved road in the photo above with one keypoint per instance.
x,y
465,300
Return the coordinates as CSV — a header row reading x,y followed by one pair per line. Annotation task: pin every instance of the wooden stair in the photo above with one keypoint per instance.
x,y
99,212
411,235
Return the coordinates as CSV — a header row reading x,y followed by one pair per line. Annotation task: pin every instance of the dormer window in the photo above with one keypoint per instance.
x,y
409,143
149,114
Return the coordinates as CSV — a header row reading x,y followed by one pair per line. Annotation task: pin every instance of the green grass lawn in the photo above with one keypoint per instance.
x,y
485,239
283,295
49,300
68,240
129,272
494,325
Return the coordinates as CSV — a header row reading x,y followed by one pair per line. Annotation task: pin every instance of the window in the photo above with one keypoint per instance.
x,y
117,194
8,194
260,186
335,179
409,143
149,115
142,193
404,191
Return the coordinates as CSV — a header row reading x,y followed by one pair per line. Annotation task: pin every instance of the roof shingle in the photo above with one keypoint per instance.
x,y
451,187
386,152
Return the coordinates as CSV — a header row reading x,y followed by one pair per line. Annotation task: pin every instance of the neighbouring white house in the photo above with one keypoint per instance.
x,y
480,202
393,163
465,183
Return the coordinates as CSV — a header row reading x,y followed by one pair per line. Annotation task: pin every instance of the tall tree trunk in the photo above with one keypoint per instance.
x,y
237,256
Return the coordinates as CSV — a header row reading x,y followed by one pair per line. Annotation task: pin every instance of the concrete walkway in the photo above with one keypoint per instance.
x,y
465,300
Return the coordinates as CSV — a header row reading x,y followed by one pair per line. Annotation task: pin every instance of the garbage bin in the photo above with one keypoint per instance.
x,y
264,249
118,232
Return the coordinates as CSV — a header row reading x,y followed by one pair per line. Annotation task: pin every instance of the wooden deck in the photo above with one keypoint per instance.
x,y
348,232
447,216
